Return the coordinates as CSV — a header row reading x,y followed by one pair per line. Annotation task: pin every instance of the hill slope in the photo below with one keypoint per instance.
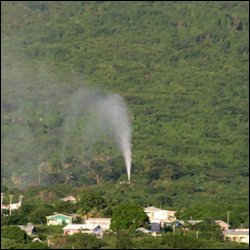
x,y
182,67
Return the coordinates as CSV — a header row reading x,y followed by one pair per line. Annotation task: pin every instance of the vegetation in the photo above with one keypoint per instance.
x,y
182,67
78,241
128,216
15,233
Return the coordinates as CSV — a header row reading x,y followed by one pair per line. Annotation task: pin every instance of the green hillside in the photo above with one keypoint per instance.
x,y
182,68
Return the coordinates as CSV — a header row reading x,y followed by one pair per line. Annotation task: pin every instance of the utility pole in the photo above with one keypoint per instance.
x,y
2,195
10,202
228,217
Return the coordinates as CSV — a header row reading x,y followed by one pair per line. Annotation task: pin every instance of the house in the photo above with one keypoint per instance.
x,y
76,228
29,229
104,223
58,219
237,235
91,226
160,216
70,199
223,225
82,228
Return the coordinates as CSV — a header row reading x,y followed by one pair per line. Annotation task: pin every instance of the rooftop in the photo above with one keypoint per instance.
x,y
56,215
236,232
79,227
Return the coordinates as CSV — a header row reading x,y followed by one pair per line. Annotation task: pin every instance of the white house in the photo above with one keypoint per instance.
x,y
70,199
91,226
237,235
161,216
77,228
104,223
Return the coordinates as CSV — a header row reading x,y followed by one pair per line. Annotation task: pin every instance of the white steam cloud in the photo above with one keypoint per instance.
x,y
113,110
103,113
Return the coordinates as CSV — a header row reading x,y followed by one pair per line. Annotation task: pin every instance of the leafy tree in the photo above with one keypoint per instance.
x,y
91,200
14,232
14,219
78,241
123,241
65,207
180,242
38,215
128,216
183,77
208,230
35,245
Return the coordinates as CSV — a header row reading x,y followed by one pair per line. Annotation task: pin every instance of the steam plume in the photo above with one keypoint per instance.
x,y
113,110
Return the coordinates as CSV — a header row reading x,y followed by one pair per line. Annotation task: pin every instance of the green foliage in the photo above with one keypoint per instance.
x,y
65,207
35,245
15,233
78,241
179,241
182,68
123,241
208,230
33,210
14,219
47,230
12,244
128,216
90,200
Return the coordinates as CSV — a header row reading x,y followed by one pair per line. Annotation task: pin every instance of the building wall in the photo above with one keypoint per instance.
x,y
161,216
104,224
59,221
71,231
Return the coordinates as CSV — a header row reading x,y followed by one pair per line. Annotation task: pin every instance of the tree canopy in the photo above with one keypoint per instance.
x,y
128,216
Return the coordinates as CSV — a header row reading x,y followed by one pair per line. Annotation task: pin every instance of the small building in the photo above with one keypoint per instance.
x,y
70,199
160,216
29,229
223,225
237,235
58,219
82,228
104,223
76,228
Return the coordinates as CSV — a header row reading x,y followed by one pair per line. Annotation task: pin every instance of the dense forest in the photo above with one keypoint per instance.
x,y
181,67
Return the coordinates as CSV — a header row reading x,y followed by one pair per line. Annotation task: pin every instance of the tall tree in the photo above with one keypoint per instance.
x,y
128,216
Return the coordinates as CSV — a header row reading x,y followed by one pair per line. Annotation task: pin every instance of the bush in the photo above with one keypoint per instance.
x,y
15,233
